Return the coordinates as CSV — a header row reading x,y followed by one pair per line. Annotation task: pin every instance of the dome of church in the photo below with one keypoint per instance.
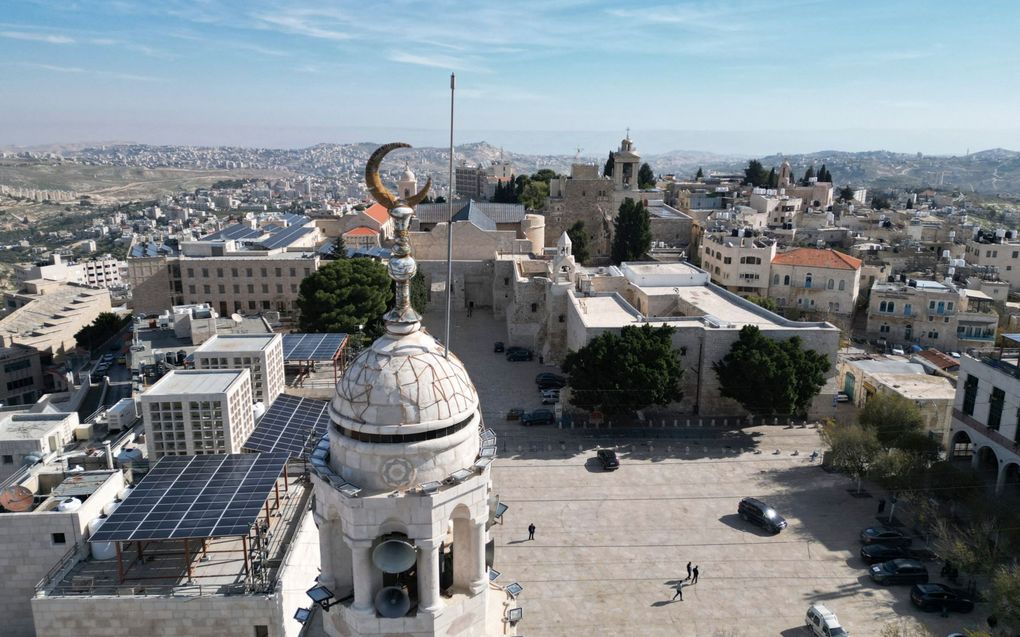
x,y
407,175
401,385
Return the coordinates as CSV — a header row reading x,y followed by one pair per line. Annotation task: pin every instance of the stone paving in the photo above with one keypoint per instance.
x,y
609,546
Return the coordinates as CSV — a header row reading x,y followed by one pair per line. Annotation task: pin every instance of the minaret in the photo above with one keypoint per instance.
x,y
402,479
408,183
784,174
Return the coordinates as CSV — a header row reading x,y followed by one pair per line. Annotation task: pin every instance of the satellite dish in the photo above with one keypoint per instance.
x,y
237,318
17,498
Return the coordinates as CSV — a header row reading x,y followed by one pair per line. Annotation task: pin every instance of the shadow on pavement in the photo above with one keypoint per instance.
x,y
734,522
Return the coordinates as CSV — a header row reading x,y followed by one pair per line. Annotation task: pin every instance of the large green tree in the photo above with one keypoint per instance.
x,y
846,193
607,170
646,176
344,294
534,194
755,174
897,422
339,250
579,242
420,292
854,448
632,232
621,373
93,335
698,176
771,377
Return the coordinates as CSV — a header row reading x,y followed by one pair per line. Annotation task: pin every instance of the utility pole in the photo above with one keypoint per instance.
x,y
449,228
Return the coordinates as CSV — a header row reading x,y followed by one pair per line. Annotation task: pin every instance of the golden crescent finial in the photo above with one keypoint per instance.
x,y
375,184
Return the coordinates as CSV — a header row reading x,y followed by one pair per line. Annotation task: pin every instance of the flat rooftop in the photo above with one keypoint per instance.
x,y
918,386
236,343
713,303
30,426
195,381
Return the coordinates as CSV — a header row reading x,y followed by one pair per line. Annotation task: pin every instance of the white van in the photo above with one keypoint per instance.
x,y
823,622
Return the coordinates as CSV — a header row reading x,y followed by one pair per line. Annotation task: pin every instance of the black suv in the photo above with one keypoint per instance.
x,y
548,380
538,417
756,511
608,460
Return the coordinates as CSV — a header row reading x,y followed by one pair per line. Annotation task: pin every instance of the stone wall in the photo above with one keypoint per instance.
x,y
150,285
472,283
587,200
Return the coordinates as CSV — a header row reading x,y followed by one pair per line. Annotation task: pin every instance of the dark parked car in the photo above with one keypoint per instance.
x,y
900,571
882,535
498,347
756,511
940,597
518,354
608,460
514,414
875,553
538,417
548,380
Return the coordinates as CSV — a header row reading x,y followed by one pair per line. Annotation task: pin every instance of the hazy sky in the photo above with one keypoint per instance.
x,y
934,76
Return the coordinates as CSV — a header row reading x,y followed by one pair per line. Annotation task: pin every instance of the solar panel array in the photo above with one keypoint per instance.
x,y
288,426
195,497
285,237
235,231
312,347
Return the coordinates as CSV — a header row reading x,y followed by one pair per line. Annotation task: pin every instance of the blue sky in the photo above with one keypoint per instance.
x,y
934,76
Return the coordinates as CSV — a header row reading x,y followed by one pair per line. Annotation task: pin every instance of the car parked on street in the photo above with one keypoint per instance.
x,y
941,598
823,622
757,512
550,396
875,553
607,458
498,347
538,417
885,535
548,380
514,414
899,571
518,354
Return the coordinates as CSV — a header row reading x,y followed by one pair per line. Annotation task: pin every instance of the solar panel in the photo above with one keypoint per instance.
x,y
288,426
285,237
195,497
235,231
312,347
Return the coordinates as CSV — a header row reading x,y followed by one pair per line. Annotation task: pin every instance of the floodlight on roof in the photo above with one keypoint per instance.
x,y
319,593
487,452
430,487
514,590
515,615
482,463
460,475
493,574
303,615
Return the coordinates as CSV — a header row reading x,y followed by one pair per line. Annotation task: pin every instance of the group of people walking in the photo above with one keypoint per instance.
x,y
692,577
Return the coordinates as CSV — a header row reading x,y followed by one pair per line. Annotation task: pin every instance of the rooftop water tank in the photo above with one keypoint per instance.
x,y
69,505
101,550
258,410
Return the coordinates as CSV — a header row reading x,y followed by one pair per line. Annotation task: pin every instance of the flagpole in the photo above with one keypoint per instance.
x,y
449,228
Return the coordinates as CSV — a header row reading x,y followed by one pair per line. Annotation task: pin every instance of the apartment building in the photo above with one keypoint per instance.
x,y
195,412
781,209
103,272
931,314
998,252
27,438
260,354
738,261
986,414
154,276
813,280
21,375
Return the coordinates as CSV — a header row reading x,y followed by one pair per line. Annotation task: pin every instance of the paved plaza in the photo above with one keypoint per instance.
x,y
609,546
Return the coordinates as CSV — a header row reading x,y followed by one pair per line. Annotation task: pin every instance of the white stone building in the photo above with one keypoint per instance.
x,y
813,280
738,260
198,412
47,314
260,354
28,438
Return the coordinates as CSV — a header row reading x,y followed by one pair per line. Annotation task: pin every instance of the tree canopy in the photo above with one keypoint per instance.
x,y
771,377
854,448
607,170
105,325
772,181
579,242
764,301
646,176
344,294
846,193
534,194
621,373
339,250
755,174
824,175
880,202
700,174
632,232
809,174
419,292
505,192
896,421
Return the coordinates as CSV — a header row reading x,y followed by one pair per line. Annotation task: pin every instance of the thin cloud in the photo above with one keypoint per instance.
x,y
37,37
432,61
313,23
77,70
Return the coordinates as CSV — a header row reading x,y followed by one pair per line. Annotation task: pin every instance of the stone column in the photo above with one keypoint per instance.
x,y
428,575
364,572
1000,479
479,577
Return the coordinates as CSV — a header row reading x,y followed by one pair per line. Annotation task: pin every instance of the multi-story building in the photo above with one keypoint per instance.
x,y
986,415
198,412
245,268
998,253
738,261
27,438
260,354
102,272
781,209
154,276
813,280
479,182
584,196
21,375
47,314
931,314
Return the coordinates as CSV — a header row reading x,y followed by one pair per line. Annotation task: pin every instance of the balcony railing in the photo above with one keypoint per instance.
x,y
986,431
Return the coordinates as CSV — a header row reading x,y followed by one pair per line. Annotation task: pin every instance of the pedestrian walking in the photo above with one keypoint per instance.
x,y
531,531
679,592
688,571
695,579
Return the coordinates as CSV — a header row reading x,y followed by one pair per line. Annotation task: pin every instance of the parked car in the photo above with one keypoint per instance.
x,y
884,535
823,622
518,354
940,597
757,512
538,417
550,396
898,350
498,347
842,397
899,571
548,380
875,553
607,458
514,414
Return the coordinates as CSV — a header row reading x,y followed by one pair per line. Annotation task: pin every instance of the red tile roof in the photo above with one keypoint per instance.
x,y
938,359
378,212
815,258
361,231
